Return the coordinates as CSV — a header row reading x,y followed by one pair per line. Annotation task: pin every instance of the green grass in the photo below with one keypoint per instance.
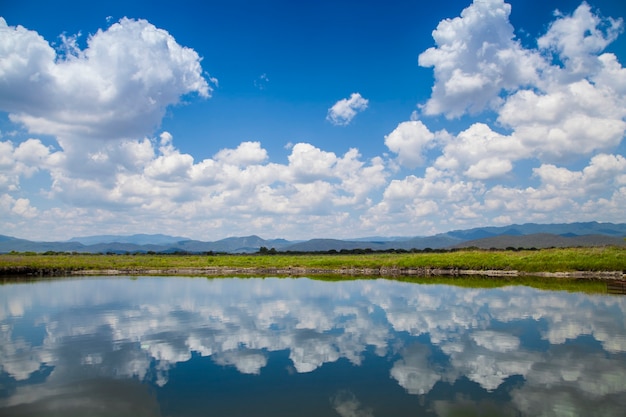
x,y
527,262
531,261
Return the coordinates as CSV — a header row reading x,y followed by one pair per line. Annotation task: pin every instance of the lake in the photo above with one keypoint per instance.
x,y
176,346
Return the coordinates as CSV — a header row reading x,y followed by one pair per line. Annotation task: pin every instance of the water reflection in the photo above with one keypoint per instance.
x,y
181,346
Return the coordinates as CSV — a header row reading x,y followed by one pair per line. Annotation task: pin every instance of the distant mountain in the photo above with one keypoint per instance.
x,y
571,229
379,239
241,244
7,239
321,245
526,235
247,244
433,242
8,244
138,239
542,240
117,247
126,244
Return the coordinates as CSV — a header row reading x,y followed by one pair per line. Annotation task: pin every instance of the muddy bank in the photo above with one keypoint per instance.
x,y
298,272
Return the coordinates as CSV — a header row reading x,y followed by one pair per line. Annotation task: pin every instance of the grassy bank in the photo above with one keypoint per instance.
x,y
529,262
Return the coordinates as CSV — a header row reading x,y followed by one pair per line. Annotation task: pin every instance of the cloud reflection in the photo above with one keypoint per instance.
x,y
103,329
346,404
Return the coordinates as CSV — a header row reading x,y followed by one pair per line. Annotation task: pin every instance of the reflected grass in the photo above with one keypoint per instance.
x,y
584,285
589,286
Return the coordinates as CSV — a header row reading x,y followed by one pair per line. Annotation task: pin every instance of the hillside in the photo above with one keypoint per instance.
x,y
529,235
542,240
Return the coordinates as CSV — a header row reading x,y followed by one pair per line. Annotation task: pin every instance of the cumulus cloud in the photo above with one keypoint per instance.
x,y
171,165
480,153
409,140
558,103
567,122
590,180
310,163
577,39
118,87
541,143
151,177
599,186
343,111
553,111
23,161
247,153
475,58
419,201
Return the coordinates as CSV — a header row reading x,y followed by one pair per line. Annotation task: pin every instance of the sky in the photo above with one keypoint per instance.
x,y
299,120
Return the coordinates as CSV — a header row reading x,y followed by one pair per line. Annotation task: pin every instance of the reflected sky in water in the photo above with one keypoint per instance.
x,y
240,347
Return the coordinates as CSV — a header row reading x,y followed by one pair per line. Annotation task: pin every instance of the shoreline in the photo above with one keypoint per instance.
x,y
303,271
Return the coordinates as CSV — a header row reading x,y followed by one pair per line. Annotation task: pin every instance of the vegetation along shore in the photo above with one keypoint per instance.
x,y
590,262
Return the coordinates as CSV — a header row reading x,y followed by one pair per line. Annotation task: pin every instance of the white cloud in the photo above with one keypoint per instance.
x,y
576,119
171,167
591,181
358,180
343,111
22,161
308,163
246,153
476,57
544,134
480,153
562,195
409,140
415,202
117,88
612,75
19,209
577,39
571,193
23,208
553,110
153,179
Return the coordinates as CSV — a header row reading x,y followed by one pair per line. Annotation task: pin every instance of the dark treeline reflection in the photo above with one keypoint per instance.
x,y
192,346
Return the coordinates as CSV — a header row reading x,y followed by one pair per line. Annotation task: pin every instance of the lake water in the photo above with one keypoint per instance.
x,y
160,346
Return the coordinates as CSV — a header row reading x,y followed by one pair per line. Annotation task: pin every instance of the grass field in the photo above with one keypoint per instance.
x,y
27,267
526,261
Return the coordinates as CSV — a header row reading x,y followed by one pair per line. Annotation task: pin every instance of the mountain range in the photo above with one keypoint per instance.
x,y
530,235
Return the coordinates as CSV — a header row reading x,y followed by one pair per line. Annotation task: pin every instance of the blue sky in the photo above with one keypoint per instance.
x,y
330,119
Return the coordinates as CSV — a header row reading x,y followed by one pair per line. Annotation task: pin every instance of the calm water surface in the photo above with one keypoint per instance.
x,y
299,347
